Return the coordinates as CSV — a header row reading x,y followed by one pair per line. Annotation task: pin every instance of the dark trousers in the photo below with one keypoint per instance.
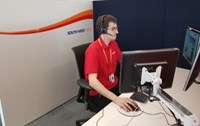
x,y
98,102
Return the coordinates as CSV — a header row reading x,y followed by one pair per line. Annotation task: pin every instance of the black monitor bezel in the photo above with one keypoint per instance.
x,y
190,30
130,58
194,72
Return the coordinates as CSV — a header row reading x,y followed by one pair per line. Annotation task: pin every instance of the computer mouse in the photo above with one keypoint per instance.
x,y
134,108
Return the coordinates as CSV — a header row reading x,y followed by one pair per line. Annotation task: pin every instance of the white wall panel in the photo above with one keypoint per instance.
x,y
38,70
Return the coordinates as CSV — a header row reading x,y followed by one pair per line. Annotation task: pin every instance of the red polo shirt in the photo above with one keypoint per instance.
x,y
96,61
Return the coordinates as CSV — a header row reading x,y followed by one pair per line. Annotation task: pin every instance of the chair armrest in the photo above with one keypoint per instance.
x,y
84,84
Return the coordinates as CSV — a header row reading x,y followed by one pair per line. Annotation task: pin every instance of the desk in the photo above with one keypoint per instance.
x,y
189,99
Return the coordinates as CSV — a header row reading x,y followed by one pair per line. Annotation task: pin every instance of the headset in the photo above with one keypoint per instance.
x,y
103,29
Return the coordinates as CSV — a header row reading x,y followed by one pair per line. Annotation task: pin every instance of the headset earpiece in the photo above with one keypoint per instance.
x,y
103,29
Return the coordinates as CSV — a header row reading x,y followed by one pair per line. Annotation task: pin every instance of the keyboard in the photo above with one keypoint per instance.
x,y
140,97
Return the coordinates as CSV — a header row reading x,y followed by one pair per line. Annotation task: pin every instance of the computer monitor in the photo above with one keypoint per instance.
x,y
191,44
194,72
133,61
2,121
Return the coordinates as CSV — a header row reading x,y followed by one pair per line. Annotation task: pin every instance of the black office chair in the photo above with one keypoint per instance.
x,y
83,93
84,88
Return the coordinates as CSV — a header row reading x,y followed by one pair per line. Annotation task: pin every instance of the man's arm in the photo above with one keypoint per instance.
x,y
122,102
96,84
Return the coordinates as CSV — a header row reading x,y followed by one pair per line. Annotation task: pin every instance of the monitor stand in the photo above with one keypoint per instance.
x,y
181,113
197,80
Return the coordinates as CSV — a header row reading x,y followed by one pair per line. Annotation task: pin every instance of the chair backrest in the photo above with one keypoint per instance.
x,y
79,52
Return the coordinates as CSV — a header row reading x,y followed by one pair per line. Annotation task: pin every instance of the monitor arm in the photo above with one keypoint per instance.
x,y
186,117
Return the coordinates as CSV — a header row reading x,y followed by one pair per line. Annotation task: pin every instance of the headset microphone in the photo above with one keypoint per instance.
x,y
109,34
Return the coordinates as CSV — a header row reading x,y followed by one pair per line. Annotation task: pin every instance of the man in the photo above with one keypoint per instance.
x,y
101,59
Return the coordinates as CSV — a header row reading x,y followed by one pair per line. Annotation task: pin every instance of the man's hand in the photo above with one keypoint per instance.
x,y
125,103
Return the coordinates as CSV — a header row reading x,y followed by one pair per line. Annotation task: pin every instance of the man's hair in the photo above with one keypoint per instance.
x,y
103,22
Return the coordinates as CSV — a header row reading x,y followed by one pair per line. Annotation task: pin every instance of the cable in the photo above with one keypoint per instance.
x,y
160,113
145,113
165,110
130,115
131,118
178,122
128,122
154,98
140,88
151,98
100,117
197,82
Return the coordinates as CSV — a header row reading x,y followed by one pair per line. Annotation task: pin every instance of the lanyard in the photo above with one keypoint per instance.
x,y
110,64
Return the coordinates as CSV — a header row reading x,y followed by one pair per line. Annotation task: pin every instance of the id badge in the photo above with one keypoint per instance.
x,y
112,78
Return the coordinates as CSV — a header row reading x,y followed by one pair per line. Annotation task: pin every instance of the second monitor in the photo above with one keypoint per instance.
x,y
133,61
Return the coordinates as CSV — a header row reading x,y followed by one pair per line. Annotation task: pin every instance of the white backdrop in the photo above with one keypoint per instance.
x,y
38,70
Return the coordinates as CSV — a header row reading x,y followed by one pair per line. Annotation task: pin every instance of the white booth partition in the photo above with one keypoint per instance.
x,y
37,66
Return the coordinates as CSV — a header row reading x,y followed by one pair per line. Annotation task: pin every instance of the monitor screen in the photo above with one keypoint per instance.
x,y
191,44
133,61
194,72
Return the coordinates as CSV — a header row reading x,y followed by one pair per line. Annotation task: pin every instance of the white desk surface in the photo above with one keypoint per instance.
x,y
189,99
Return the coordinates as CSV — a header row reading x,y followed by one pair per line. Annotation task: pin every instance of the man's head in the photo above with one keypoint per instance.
x,y
107,24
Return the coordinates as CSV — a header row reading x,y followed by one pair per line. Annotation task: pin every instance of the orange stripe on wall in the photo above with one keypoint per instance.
x,y
88,14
